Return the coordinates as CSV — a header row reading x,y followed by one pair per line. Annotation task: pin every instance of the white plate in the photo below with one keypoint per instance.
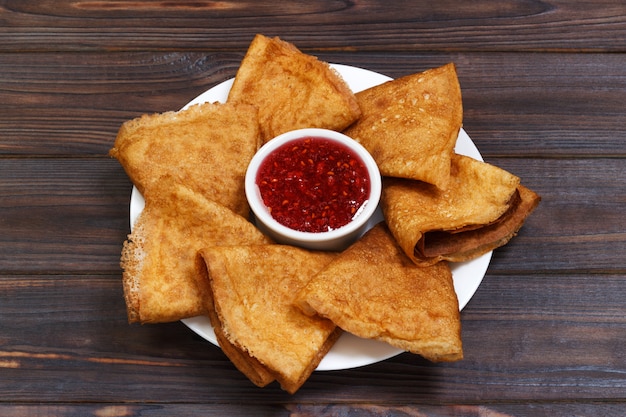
x,y
350,351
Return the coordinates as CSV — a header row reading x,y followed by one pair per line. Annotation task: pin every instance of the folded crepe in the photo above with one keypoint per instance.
x,y
251,304
256,372
482,209
374,291
158,258
292,90
410,125
206,147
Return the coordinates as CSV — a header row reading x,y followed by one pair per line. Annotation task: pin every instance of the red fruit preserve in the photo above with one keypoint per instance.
x,y
313,184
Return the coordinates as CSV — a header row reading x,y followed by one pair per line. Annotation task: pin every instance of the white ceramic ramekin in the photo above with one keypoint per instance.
x,y
334,240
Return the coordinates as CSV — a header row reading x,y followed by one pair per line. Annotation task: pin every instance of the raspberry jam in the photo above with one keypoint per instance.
x,y
313,184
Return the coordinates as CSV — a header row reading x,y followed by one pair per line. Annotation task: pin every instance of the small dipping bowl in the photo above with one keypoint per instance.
x,y
290,144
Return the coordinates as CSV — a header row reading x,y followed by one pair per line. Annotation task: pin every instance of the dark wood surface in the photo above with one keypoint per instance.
x,y
544,89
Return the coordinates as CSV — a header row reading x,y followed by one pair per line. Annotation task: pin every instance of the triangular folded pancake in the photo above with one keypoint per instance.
x,y
292,90
482,209
253,288
410,125
158,259
259,374
206,147
374,291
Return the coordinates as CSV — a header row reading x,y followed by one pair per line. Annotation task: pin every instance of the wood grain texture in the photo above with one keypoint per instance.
x,y
544,337
543,87
306,410
372,25
548,105
62,215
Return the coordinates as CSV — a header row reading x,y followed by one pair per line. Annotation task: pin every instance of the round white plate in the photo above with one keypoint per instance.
x,y
349,351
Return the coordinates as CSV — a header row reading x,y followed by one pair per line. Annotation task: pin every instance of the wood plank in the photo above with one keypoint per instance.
x,y
580,220
62,215
515,104
365,25
146,410
577,226
74,104
546,333
527,409
542,337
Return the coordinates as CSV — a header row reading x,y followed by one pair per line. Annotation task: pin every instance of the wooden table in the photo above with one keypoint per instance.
x,y
544,88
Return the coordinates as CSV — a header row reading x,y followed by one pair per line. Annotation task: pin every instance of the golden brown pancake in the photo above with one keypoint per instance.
x,y
158,259
483,207
410,125
249,366
375,291
207,148
253,288
292,90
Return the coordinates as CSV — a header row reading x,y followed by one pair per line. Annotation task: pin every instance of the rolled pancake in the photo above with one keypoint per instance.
x,y
253,288
410,125
482,209
206,147
375,291
158,258
292,90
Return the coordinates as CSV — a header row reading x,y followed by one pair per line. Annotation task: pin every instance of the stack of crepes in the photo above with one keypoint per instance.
x,y
278,309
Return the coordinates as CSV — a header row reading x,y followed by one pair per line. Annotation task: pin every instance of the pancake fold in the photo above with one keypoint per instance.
x,y
206,147
373,290
292,90
250,300
158,258
410,125
482,209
